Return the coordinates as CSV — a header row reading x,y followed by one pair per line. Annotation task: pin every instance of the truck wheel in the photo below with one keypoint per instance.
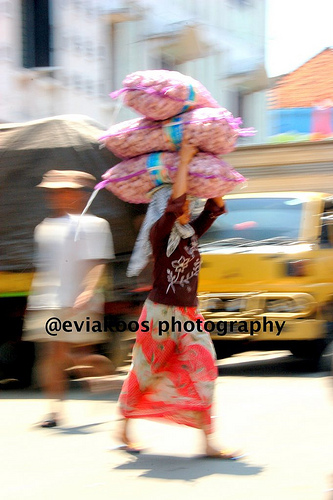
x,y
326,359
222,350
310,351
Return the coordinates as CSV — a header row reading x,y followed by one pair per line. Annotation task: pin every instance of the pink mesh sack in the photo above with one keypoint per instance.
x,y
133,180
211,130
160,94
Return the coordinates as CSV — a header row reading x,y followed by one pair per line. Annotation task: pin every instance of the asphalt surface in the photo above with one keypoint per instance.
x,y
269,406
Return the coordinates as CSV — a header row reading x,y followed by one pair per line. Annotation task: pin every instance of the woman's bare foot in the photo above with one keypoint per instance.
x,y
128,444
213,452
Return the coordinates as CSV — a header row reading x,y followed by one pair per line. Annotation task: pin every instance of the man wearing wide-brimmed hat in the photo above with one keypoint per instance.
x,y
71,253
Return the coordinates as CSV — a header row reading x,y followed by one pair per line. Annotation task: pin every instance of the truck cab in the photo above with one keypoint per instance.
x,y
267,274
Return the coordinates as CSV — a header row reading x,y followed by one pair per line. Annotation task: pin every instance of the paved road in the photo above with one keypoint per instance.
x,y
274,409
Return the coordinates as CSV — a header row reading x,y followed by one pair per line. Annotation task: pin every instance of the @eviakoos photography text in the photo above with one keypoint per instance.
x,y
54,325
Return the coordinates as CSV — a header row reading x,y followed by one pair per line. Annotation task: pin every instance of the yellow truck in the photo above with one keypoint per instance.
x,y
267,265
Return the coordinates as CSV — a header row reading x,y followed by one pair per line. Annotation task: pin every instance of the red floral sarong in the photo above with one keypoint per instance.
x,y
173,372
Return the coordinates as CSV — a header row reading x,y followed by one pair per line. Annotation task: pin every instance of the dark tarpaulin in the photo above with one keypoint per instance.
x,y
27,151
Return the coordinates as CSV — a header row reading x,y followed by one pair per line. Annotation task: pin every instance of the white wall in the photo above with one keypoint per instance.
x,y
91,58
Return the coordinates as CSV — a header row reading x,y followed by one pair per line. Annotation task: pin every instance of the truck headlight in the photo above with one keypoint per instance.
x,y
222,304
286,305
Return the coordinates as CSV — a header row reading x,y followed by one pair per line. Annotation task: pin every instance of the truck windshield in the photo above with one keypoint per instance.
x,y
256,219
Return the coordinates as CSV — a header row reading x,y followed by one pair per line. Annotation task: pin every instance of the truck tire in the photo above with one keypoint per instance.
x,y
310,351
222,350
326,359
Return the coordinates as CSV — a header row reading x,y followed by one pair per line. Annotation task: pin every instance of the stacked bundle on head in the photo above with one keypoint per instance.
x,y
133,179
161,95
211,130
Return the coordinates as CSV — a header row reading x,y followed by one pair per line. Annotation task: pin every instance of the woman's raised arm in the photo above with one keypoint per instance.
x,y
187,152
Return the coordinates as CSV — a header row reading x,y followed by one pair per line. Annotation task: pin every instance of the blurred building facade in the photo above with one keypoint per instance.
x,y
66,56
300,103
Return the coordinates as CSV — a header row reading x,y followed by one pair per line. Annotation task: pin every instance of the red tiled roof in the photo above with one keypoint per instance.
x,y
306,86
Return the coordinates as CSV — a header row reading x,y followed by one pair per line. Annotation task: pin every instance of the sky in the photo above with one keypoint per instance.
x,y
296,30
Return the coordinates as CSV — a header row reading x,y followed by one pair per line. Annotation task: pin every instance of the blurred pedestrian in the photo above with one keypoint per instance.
x,y
71,253
173,371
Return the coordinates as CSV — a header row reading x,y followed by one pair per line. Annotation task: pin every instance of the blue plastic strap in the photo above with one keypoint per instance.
x,y
190,99
156,169
173,131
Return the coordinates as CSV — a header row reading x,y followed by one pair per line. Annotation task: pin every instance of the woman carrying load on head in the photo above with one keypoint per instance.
x,y
173,371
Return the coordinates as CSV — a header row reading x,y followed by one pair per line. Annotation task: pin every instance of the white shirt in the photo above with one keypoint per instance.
x,y
63,260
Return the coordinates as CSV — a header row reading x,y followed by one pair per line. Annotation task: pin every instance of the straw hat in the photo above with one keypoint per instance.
x,y
74,179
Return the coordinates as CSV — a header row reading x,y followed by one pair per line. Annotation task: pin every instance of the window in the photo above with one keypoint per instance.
x,y
77,80
90,87
102,90
36,33
236,100
78,44
326,237
240,103
101,51
167,63
89,49
5,53
65,42
257,219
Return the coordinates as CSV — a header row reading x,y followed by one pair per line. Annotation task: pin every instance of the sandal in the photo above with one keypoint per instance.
x,y
133,449
49,422
226,455
130,448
